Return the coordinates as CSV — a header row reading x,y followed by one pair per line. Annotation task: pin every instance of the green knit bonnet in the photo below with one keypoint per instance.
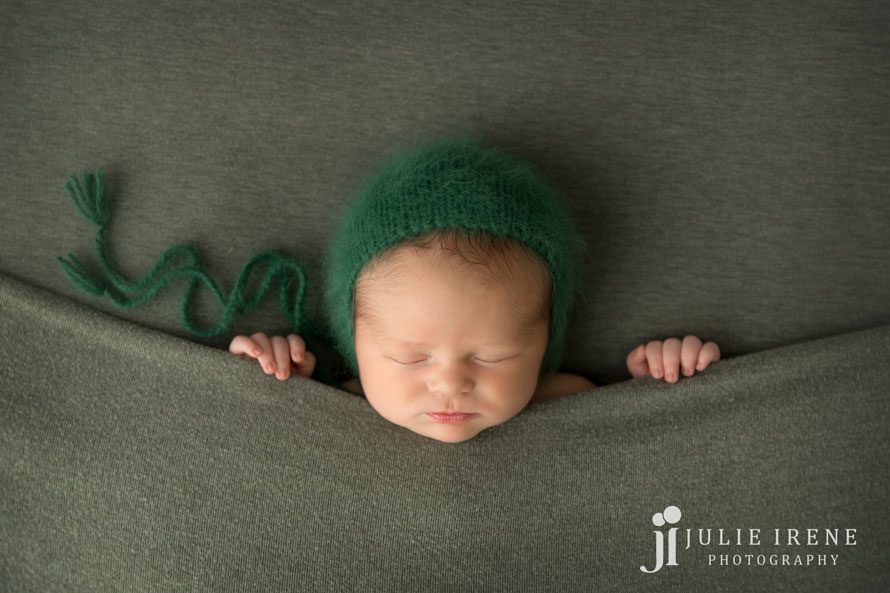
x,y
453,183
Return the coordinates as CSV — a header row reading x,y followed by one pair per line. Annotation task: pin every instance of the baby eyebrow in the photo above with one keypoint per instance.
x,y
408,343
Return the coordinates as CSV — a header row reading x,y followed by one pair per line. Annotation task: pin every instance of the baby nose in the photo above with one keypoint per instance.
x,y
451,384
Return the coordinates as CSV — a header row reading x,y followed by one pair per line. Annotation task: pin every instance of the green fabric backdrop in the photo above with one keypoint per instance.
x,y
727,163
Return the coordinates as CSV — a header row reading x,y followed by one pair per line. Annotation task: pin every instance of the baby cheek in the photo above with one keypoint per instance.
x,y
394,397
508,395
383,401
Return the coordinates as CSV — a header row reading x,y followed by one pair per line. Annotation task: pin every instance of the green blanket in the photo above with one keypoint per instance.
x,y
134,460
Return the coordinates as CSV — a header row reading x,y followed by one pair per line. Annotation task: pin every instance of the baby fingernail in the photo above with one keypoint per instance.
x,y
670,376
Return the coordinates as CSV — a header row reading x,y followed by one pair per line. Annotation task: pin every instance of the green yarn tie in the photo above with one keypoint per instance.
x,y
90,199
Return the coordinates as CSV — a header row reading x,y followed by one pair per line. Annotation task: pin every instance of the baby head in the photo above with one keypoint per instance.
x,y
449,286
452,322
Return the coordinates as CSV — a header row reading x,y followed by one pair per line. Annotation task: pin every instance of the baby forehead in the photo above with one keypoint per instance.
x,y
410,337
423,284
396,318
409,270
435,295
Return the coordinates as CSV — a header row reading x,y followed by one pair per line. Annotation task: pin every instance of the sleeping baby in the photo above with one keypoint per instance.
x,y
449,288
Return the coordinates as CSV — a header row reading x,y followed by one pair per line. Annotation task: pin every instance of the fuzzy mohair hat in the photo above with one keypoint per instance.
x,y
453,183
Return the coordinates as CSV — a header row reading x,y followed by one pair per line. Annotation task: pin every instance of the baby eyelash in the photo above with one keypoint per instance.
x,y
479,359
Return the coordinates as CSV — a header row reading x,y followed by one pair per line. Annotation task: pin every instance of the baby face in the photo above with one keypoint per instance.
x,y
438,339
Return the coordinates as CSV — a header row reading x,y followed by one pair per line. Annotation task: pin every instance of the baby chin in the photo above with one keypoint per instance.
x,y
447,429
442,426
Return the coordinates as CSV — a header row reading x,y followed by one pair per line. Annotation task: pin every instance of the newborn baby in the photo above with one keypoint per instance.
x,y
448,348
449,288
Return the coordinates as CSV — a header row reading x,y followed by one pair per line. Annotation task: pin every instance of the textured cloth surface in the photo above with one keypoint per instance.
x,y
132,460
726,162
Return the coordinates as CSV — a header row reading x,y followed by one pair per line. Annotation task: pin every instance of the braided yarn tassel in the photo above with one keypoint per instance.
x,y
90,199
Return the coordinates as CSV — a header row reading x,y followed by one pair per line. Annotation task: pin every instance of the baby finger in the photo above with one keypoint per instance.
x,y
267,357
671,359
279,346
689,354
307,366
297,347
653,355
710,352
244,346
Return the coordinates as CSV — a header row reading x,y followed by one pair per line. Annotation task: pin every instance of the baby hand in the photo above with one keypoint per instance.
x,y
275,355
662,359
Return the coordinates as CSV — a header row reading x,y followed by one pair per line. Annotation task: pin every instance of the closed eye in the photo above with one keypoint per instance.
x,y
478,359
499,360
406,363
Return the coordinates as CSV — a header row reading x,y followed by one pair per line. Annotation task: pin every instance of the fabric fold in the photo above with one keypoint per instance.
x,y
135,460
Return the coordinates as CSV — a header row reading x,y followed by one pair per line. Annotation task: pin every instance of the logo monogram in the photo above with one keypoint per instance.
x,y
670,515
